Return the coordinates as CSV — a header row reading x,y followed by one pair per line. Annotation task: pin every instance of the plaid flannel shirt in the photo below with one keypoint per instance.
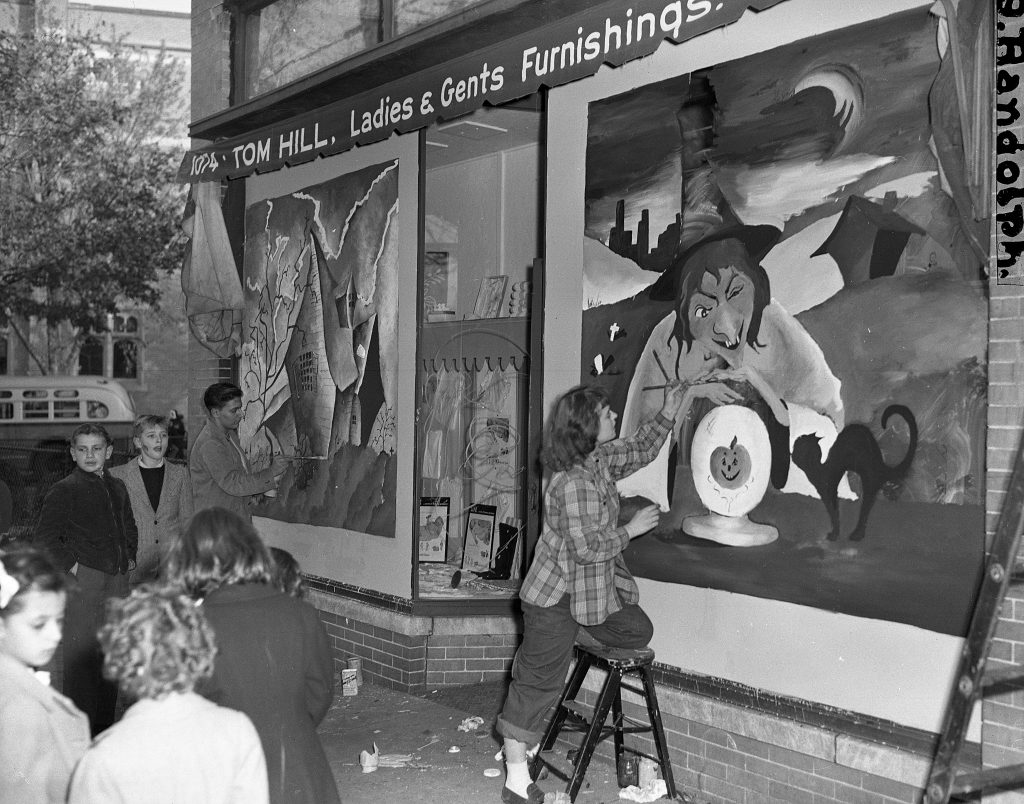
x,y
580,550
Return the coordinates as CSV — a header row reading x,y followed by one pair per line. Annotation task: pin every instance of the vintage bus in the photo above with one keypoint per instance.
x,y
39,413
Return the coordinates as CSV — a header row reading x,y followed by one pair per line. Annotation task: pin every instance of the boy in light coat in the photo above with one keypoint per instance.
x,y
161,496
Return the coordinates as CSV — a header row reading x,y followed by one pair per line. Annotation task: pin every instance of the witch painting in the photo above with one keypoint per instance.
x,y
783,232
726,327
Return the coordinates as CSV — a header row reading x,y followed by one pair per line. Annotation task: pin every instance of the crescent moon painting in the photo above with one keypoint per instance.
x,y
844,85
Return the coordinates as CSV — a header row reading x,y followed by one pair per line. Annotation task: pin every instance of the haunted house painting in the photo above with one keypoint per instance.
x,y
319,359
812,172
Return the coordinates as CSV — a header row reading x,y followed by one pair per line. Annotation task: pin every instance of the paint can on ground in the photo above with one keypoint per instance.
x,y
647,772
348,682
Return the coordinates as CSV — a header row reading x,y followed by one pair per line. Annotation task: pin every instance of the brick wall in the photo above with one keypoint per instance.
x,y
725,754
1003,715
416,662
407,652
389,658
469,658
721,752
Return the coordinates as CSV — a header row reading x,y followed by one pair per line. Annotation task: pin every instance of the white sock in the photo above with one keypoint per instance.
x,y
517,777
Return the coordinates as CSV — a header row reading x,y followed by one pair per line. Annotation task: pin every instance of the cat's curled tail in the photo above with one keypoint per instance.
x,y
904,413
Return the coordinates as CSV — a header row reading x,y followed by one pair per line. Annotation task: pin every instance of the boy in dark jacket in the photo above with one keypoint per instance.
x,y
86,525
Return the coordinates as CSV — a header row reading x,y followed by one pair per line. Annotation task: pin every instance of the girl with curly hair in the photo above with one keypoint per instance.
x,y
171,745
274,659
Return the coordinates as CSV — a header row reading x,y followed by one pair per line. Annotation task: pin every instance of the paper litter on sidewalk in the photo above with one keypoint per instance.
x,y
651,791
471,723
395,760
370,762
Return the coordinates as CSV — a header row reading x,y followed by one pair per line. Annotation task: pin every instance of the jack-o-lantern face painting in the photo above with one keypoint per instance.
x,y
731,460
731,466
730,456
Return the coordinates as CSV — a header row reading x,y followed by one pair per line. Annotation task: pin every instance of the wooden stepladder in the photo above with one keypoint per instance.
x,y
973,678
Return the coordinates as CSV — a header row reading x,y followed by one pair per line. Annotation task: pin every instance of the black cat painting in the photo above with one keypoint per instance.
x,y
855,450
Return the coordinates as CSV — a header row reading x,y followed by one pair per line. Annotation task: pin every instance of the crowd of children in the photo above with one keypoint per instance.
x,y
221,667
227,669
162,592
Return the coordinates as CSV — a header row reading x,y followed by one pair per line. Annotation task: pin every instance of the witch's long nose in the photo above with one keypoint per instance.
x,y
729,324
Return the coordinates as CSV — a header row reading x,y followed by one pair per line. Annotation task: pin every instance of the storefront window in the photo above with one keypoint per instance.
x,y
481,241
411,14
289,39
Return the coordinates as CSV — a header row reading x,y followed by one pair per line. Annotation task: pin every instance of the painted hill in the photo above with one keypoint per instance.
x,y
609,278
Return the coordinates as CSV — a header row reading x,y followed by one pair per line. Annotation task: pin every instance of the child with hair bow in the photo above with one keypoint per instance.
x,y
42,734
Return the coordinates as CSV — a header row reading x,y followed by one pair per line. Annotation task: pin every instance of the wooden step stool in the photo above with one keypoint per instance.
x,y
572,715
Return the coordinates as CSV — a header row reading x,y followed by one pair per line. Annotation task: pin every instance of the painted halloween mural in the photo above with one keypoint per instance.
x,y
776,231
319,360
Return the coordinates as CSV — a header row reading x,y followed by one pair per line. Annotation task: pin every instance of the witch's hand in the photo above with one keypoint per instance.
x,y
751,375
742,373
717,392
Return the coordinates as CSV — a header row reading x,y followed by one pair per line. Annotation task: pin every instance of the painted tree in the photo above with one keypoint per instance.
x,y
90,132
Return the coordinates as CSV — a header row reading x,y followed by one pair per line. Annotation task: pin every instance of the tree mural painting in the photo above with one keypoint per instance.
x,y
319,361
815,162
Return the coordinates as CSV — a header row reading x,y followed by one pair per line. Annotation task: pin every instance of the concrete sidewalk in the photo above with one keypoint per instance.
x,y
428,731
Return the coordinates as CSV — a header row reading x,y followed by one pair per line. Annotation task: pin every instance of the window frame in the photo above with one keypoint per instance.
x,y
241,60
94,340
126,349
125,325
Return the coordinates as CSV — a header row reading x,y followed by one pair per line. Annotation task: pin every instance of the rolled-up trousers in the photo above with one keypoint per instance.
x,y
542,661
